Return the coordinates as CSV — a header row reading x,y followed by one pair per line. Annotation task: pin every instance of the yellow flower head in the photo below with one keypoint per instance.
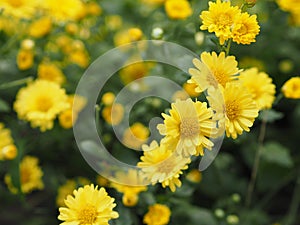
x,y
239,107
212,70
219,19
67,119
160,164
178,9
40,102
8,150
128,36
108,98
158,214
89,205
194,176
25,59
130,191
134,71
51,72
245,29
113,114
291,88
188,127
136,135
67,189
259,84
30,176
79,57
292,6
40,27
19,8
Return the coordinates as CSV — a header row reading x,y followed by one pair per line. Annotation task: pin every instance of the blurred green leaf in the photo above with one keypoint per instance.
x,y
270,115
274,152
4,106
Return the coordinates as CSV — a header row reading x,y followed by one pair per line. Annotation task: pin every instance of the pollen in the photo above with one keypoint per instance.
x,y
189,127
87,215
232,110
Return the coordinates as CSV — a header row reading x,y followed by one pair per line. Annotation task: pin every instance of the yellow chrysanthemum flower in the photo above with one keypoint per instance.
x,y
113,114
19,8
8,150
238,105
291,88
245,29
219,19
89,205
25,59
259,84
136,135
178,9
30,176
131,191
159,164
289,5
67,189
40,27
51,72
212,70
40,102
188,127
108,98
157,214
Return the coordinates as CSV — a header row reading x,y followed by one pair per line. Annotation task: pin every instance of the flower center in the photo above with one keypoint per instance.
x,y
189,127
232,110
43,104
243,29
87,215
165,167
220,77
224,20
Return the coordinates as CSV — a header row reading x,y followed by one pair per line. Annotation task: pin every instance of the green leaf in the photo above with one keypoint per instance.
x,y
4,107
274,152
270,115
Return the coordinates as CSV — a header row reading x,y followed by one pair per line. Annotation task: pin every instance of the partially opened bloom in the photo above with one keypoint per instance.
x,y
260,85
188,126
157,214
30,176
160,164
40,102
219,19
212,70
291,88
7,148
89,205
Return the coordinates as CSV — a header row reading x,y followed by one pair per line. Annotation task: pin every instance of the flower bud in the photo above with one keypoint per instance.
x,y
250,3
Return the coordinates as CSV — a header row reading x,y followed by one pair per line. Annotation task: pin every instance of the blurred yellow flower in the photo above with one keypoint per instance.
x,y
131,191
188,126
89,205
160,164
8,150
30,176
245,29
178,9
212,70
108,98
93,8
219,19
102,181
67,189
134,71
113,114
27,44
291,88
247,62
190,89
194,176
127,36
40,102
157,214
259,84
67,119
25,59
113,22
41,27
136,135
77,102
79,57
289,5
19,8
51,72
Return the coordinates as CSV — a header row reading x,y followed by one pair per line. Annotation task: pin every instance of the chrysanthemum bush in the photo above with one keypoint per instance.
x,y
244,85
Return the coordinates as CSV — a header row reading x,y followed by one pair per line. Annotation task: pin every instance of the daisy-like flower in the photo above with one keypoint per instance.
x,y
245,29
259,84
178,9
219,19
30,176
40,102
89,205
188,126
212,70
157,214
160,164
238,105
291,88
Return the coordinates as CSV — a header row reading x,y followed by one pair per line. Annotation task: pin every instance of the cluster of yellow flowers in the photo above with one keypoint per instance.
x,y
8,150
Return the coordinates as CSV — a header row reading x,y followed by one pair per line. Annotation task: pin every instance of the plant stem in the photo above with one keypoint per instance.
x,y
251,185
16,83
292,214
227,49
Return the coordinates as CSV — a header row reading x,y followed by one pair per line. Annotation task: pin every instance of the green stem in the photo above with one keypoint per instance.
x,y
251,185
9,44
227,49
292,214
16,83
